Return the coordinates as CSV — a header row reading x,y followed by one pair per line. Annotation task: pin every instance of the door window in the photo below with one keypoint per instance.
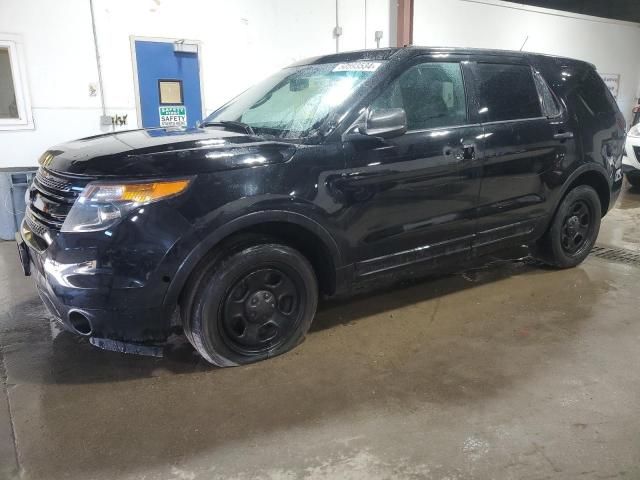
x,y
170,92
431,94
506,92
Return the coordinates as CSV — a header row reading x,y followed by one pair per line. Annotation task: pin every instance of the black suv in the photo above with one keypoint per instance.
x,y
335,171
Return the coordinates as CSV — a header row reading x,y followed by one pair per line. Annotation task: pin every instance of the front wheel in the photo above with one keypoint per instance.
x,y
573,231
254,304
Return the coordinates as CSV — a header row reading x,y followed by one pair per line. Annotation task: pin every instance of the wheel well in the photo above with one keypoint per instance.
x,y
596,181
303,240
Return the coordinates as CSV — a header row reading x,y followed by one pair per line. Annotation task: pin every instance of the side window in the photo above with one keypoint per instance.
x,y
432,95
595,94
8,105
550,106
15,109
506,92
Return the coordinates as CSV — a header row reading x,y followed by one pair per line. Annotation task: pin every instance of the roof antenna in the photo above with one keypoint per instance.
x,y
524,43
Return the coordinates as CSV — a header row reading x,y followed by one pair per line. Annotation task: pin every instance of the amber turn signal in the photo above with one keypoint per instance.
x,y
150,192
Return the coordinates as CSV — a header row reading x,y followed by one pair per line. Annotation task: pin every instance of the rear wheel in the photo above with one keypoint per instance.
x,y
634,180
254,303
573,231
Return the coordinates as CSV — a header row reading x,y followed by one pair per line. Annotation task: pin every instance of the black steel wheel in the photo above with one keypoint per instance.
x,y
576,227
261,309
254,303
573,230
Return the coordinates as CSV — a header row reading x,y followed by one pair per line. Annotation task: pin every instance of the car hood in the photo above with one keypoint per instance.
x,y
162,152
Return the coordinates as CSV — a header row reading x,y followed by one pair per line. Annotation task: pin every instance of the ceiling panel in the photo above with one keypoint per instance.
x,y
628,10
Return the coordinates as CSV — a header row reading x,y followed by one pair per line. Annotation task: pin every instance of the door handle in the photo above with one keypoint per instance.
x,y
467,152
563,135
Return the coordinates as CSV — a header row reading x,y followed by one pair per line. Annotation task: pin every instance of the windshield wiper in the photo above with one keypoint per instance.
x,y
246,128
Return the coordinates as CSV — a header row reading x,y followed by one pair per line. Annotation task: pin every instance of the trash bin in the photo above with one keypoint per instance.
x,y
13,186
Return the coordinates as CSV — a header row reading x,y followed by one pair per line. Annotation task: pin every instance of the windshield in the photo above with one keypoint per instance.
x,y
296,101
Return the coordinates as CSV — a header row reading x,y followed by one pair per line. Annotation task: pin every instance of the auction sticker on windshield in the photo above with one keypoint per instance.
x,y
357,67
173,116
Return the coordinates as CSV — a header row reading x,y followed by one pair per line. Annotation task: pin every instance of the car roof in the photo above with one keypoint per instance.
x,y
387,53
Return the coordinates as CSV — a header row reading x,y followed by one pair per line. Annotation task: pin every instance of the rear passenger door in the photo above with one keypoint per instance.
x,y
523,138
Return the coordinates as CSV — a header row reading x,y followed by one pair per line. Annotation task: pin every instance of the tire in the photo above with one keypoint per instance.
x,y
634,180
230,246
573,231
250,303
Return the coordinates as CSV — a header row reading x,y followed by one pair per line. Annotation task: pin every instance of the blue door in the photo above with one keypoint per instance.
x,y
168,84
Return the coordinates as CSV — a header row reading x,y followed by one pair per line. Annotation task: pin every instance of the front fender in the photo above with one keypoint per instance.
x,y
214,237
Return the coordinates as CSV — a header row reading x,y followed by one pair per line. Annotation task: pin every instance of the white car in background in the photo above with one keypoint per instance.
x,y
631,158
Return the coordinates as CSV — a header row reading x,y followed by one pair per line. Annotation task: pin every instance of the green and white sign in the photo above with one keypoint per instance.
x,y
173,116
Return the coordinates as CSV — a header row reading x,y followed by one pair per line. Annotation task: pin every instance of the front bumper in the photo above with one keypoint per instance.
x,y
78,289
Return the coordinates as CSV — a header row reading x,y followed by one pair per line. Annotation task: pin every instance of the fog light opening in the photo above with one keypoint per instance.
x,y
80,322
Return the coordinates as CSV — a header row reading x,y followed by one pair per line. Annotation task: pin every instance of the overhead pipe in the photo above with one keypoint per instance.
x,y
365,24
98,65
337,31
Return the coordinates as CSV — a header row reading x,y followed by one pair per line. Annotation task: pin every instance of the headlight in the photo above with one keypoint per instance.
x,y
101,205
634,131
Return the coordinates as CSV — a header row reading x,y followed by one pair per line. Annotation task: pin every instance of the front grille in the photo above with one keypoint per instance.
x,y
51,197
636,151
52,182
36,227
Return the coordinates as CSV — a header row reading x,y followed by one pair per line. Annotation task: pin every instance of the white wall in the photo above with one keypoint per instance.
x,y
59,68
610,45
241,42
244,40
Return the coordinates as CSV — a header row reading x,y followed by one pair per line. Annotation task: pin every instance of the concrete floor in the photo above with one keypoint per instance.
x,y
504,372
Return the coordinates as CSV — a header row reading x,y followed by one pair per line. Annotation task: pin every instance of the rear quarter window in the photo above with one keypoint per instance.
x,y
550,106
595,95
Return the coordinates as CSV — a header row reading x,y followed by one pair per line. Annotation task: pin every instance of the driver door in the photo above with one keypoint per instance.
x,y
411,199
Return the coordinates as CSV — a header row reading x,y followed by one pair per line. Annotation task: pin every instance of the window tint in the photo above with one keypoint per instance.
x,y
595,94
432,95
550,106
506,92
8,105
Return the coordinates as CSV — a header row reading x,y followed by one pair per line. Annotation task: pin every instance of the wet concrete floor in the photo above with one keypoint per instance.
x,y
504,372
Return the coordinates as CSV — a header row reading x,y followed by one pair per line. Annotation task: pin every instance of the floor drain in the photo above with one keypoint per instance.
x,y
619,255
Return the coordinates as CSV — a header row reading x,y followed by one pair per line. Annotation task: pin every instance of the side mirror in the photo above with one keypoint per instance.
x,y
386,122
